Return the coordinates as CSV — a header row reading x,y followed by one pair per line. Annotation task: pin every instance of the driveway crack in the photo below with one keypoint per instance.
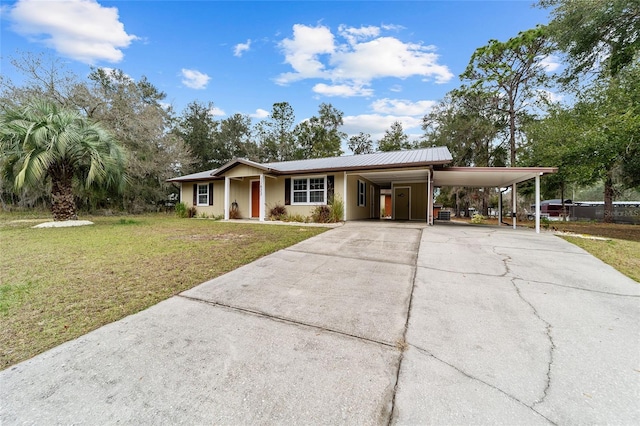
x,y
402,345
552,345
548,328
464,373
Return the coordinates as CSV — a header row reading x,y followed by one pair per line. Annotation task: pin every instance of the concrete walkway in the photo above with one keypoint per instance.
x,y
369,323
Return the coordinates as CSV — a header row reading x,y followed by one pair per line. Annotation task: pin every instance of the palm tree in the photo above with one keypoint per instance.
x,y
42,141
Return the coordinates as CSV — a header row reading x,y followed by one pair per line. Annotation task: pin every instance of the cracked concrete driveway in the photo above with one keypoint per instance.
x,y
369,323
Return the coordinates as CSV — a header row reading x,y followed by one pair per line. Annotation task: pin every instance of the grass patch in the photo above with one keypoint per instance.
x,y
621,254
57,284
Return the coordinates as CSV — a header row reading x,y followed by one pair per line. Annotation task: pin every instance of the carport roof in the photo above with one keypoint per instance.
x,y
493,177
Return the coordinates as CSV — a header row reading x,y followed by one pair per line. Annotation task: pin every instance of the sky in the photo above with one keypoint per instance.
x,y
376,61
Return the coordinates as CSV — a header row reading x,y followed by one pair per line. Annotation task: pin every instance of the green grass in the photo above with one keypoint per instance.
x,y
621,254
57,284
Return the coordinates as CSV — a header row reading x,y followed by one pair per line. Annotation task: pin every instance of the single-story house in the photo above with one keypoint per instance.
x,y
301,185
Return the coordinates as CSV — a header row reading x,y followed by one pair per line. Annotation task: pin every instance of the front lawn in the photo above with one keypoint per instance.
x,y
59,283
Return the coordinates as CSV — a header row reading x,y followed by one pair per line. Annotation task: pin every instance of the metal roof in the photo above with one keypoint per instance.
x,y
194,176
414,157
493,177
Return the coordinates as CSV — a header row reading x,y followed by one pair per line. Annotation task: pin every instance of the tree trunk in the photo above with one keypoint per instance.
x,y
608,199
63,205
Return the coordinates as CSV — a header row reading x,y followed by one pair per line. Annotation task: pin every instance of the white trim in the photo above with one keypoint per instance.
x,y
394,209
251,197
198,185
308,190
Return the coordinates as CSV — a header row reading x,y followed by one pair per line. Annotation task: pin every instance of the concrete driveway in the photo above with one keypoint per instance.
x,y
369,323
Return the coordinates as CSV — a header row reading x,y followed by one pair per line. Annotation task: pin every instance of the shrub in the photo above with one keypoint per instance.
x,y
181,210
192,212
545,222
337,209
278,212
477,218
296,218
321,214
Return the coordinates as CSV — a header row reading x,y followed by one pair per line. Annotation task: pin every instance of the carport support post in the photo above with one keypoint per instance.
x,y
537,204
429,200
227,186
262,198
499,207
513,207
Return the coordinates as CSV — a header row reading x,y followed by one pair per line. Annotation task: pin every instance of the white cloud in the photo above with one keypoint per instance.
x,y
402,107
240,48
303,52
79,29
110,71
550,63
217,112
260,114
396,88
353,35
194,79
354,58
376,124
342,90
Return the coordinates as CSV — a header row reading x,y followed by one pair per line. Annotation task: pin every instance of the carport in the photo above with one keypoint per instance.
x,y
491,177
470,177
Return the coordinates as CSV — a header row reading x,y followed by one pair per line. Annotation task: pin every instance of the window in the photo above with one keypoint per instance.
x,y
362,193
312,190
203,195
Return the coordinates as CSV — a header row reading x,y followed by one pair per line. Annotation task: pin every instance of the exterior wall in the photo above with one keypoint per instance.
x,y
243,170
354,211
418,199
275,194
240,192
218,197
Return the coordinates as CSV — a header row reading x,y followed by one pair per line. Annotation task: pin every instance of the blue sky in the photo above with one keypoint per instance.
x,y
377,61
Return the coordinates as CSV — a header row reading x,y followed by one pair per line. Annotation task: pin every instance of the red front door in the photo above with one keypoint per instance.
x,y
255,198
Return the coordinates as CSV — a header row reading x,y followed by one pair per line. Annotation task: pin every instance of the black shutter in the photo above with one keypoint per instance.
x,y
210,193
195,194
330,191
287,192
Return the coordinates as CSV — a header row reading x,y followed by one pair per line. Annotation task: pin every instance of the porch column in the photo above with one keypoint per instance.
x,y
537,204
513,207
345,196
262,198
227,186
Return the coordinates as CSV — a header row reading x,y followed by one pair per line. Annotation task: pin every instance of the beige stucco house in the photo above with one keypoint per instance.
x,y
301,185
